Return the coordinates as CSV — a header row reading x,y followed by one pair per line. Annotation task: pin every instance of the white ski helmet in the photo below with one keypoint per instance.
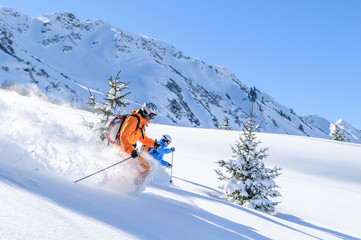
x,y
166,138
150,109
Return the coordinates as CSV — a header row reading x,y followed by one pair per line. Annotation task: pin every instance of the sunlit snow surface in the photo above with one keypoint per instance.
x,y
45,148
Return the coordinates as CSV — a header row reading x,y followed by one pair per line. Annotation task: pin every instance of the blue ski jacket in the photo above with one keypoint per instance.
x,y
159,153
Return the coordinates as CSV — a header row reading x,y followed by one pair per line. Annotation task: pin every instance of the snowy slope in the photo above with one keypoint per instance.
x,y
45,147
64,57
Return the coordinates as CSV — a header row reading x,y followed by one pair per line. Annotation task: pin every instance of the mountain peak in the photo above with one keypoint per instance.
x,y
13,18
340,121
62,17
346,125
5,11
66,19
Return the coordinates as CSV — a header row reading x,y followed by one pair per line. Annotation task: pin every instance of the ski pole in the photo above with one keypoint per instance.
x,y
171,170
102,170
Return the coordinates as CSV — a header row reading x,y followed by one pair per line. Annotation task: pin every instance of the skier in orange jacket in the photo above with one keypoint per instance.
x,y
133,130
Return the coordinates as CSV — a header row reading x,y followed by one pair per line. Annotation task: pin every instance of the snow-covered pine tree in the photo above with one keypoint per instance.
x,y
247,181
338,135
226,124
111,105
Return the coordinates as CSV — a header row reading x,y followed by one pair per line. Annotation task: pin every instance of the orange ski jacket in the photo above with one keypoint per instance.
x,y
129,134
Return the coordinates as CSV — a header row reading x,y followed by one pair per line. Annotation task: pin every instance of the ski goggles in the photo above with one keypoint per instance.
x,y
152,115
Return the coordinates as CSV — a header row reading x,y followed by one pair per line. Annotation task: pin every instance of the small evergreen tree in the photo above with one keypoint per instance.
x,y
226,124
338,135
247,181
111,105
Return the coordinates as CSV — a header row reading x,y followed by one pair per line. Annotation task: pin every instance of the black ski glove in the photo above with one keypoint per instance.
x,y
169,165
173,149
135,154
156,144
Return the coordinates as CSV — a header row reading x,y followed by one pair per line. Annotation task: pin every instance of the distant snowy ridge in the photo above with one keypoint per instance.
x,y
352,134
64,57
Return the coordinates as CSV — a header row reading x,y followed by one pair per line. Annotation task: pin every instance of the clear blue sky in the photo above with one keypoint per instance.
x,y
304,53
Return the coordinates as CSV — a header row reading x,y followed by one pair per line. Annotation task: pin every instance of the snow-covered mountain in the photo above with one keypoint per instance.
x,y
352,134
64,57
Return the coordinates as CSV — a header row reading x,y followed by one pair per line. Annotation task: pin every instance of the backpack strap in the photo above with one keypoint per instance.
x,y
141,129
137,117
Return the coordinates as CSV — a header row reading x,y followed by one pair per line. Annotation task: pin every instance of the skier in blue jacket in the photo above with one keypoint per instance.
x,y
159,153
